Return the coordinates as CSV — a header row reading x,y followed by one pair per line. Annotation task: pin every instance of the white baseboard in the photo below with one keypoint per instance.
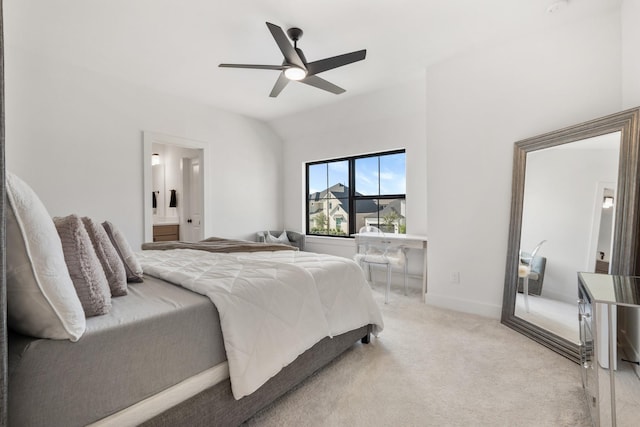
x,y
464,305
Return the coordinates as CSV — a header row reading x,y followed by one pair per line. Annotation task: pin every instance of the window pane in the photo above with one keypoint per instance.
x,y
317,179
318,218
338,176
367,176
366,213
389,215
339,217
392,174
392,216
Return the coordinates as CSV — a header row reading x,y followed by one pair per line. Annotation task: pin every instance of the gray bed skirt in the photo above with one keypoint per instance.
x,y
216,406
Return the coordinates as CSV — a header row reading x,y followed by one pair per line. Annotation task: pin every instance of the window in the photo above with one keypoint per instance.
x,y
346,194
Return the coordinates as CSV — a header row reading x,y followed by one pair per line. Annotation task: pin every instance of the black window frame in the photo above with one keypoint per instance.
x,y
353,197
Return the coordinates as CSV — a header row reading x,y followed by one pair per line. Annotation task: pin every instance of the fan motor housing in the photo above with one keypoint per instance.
x,y
294,33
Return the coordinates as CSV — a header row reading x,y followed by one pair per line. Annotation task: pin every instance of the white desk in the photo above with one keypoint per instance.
x,y
406,241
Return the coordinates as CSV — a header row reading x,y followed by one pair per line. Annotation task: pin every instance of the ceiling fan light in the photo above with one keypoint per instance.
x,y
295,73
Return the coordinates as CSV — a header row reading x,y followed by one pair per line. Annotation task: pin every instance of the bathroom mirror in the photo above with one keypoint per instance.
x,y
575,196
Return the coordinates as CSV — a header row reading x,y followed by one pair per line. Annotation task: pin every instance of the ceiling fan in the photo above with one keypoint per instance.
x,y
295,66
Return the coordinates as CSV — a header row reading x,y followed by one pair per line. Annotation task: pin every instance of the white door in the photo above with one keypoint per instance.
x,y
195,198
192,227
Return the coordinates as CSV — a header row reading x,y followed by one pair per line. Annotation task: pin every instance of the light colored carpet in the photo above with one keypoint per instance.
x,y
434,367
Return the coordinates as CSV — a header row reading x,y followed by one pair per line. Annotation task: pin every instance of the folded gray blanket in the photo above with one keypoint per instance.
x,y
218,244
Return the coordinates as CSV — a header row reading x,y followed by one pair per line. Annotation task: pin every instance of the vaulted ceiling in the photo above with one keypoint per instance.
x,y
175,46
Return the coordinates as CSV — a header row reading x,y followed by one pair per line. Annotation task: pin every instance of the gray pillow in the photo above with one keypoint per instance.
x,y
131,263
41,299
84,266
108,256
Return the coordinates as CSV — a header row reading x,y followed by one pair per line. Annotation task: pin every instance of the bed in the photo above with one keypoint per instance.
x,y
210,333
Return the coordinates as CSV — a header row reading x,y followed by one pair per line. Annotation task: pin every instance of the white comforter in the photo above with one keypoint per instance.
x,y
273,305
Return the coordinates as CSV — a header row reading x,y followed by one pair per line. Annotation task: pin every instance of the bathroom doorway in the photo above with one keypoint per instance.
x,y
174,185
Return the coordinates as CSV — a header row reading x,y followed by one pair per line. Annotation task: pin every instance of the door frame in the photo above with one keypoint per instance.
x,y
150,138
596,219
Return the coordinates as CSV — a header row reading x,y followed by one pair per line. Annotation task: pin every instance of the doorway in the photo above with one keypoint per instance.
x,y
174,185
602,228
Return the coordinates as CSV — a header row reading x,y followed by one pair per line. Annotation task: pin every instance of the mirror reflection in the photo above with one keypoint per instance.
x,y
577,190
567,226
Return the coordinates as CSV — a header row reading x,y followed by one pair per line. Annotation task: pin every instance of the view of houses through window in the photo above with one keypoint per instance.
x,y
346,194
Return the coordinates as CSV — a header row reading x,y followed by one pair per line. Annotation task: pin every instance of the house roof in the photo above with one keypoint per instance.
x,y
340,192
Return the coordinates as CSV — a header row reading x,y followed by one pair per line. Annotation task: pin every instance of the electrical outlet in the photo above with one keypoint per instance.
x,y
455,277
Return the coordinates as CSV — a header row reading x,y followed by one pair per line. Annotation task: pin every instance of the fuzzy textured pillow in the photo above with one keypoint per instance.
x,y
41,299
128,257
108,256
84,266
283,238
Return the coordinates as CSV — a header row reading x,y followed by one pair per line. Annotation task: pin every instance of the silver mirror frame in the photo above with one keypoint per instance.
x,y
624,259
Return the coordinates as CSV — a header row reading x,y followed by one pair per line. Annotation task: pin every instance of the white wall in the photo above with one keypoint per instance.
x,y
76,138
478,105
388,119
630,14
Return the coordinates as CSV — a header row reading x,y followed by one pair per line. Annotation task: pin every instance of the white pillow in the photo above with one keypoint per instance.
x,y
41,299
283,239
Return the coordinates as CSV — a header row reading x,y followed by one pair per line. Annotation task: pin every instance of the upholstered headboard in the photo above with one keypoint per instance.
x,y
3,301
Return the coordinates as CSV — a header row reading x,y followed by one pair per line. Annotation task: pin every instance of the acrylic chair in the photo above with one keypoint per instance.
x,y
379,252
524,271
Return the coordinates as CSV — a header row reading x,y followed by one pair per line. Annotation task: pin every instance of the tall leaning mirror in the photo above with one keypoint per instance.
x,y
574,207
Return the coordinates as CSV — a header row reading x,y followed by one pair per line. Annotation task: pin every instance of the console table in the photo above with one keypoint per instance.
x,y
610,374
403,241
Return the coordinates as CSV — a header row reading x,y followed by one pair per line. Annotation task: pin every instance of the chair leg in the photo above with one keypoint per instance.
x,y
406,268
386,296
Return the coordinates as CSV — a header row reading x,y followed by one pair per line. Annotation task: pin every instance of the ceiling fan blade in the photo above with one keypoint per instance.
x,y
253,66
320,83
289,53
316,67
280,84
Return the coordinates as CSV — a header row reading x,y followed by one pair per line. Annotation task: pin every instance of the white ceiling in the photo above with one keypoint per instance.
x,y
175,46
